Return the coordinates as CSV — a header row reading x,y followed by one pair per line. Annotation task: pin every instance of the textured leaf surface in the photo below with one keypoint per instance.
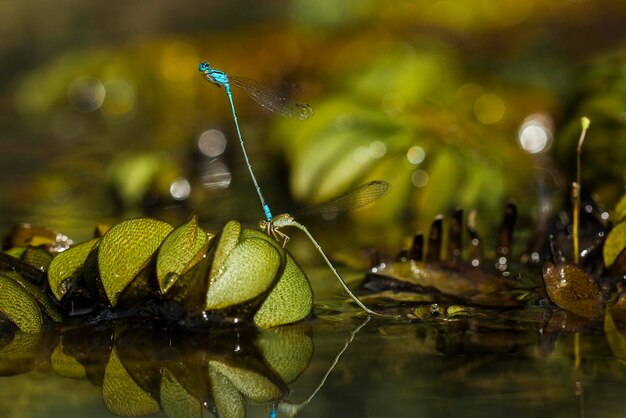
x,y
250,384
573,289
125,250
249,270
228,400
65,365
19,306
21,354
175,401
67,264
287,349
122,396
37,257
229,238
181,250
290,300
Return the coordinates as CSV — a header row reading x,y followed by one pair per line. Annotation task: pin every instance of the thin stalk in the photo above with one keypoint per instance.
x,y
292,409
584,121
339,278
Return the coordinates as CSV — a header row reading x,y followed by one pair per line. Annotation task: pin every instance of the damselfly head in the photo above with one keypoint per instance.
x,y
204,67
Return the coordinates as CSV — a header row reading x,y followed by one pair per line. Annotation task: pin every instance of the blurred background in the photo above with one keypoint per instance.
x,y
105,116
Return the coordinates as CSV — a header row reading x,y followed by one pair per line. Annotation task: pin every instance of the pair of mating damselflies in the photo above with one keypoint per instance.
x,y
269,96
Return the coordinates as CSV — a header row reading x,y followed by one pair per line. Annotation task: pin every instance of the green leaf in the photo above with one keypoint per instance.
x,y
175,401
614,244
125,250
65,365
37,257
183,248
122,396
21,354
48,306
228,400
288,350
290,300
15,251
620,210
250,269
229,239
68,264
250,384
190,289
19,306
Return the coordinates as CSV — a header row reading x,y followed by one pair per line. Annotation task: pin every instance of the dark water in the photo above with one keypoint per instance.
x,y
461,368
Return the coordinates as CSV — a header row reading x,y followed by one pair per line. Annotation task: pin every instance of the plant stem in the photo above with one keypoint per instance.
x,y
584,122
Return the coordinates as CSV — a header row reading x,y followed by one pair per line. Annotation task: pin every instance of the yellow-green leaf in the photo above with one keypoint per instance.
x,y
620,210
290,300
66,366
122,396
15,251
228,401
614,244
19,306
287,350
249,270
44,301
125,250
67,264
21,354
181,250
228,240
37,257
250,384
175,401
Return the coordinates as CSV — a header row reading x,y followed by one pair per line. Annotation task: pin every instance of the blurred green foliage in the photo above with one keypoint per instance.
x,y
427,95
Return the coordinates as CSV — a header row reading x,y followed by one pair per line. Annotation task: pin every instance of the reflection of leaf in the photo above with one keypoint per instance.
x,y
287,350
67,264
614,244
250,270
252,385
20,355
122,396
616,340
125,250
181,250
228,400
66,366
175,400
19,306
290,300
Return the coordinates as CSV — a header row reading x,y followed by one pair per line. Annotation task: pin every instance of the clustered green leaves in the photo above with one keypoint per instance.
x,y
238,273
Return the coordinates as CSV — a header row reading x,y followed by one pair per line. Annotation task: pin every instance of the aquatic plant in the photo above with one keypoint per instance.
x,y
147,268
